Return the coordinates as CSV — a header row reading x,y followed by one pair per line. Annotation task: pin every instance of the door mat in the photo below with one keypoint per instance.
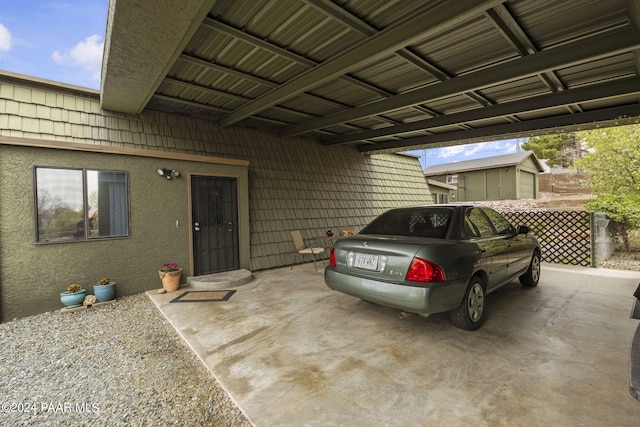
x,y
204,296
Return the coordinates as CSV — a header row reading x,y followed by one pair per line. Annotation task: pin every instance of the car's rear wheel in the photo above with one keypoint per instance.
x,y
470,314
532,275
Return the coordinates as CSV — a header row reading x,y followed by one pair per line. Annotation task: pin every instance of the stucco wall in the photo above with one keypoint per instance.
x,y
32,275
294,183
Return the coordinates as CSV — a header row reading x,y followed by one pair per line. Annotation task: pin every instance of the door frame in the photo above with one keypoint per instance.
x,y
242,196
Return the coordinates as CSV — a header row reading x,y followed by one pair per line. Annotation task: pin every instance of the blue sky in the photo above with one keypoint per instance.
x,y
63,40
59,40
459,153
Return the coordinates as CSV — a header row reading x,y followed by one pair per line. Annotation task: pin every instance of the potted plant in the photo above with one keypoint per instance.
x,y
105,290
73,296
170,275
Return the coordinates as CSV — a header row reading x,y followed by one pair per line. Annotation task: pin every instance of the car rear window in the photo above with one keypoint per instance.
x,y
418,222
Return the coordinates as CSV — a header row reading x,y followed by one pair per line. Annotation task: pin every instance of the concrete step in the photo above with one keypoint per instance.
x,y
224,280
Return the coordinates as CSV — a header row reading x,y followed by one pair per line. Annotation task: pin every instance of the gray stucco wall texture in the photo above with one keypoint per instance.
x,y
293,183
32,275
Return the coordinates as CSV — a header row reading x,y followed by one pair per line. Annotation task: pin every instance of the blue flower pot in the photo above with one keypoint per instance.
x,y
73,300
105,292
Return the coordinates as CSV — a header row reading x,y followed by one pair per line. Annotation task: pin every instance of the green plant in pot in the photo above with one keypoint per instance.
x,y
105,289
170,275
73,296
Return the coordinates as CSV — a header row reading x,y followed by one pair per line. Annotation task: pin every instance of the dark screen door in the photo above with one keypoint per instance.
x,y
215,224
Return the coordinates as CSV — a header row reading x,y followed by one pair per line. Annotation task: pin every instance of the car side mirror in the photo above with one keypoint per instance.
x,y
523,229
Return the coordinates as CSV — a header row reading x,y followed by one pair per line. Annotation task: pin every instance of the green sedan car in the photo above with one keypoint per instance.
x,y
433,259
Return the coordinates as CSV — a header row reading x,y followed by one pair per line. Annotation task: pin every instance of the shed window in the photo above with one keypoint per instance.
x,y
80,204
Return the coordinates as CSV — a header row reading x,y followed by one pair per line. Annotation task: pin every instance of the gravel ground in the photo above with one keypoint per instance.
x,y
624,260
116,365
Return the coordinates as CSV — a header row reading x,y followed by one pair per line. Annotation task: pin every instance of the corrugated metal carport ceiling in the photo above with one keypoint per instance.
x,y
391,75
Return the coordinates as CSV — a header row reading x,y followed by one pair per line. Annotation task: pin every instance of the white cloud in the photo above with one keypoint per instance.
x,y
87,55
491,148
447,152
473,149
5,38
458,153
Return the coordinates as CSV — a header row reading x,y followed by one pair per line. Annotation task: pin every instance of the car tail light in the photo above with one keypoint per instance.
x,y
332,257
422,270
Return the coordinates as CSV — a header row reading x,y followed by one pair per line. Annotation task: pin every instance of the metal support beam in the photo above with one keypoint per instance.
x,y
571,96
513,32
608,44
430,20
254,79
339,14
623,115
280,51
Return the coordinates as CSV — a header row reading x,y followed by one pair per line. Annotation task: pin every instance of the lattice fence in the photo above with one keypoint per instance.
x,y
564,236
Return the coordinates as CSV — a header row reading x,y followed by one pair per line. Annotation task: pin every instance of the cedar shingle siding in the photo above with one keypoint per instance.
x,y
293,183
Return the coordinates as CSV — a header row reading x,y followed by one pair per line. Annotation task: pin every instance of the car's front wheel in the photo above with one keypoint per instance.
x,y
470,314
531,277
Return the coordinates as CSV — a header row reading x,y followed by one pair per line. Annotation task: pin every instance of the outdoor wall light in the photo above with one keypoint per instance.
x,y
168,173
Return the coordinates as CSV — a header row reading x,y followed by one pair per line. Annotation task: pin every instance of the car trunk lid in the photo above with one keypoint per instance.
x,y
372,256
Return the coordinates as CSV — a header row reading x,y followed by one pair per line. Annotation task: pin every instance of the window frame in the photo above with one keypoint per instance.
x,y
401,221
478,232
85,204
498,221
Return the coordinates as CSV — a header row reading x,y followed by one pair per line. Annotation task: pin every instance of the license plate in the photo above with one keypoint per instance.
x,y
367,262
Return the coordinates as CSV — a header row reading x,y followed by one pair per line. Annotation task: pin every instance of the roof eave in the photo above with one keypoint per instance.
x,y
142,41
526,155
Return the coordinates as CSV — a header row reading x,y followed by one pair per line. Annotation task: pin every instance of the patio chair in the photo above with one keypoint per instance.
x,y
302,250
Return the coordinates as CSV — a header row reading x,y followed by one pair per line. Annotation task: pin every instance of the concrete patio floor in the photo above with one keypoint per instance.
x,y
291,352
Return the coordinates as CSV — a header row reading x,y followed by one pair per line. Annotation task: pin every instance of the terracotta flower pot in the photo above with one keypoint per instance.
x,y
170,279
